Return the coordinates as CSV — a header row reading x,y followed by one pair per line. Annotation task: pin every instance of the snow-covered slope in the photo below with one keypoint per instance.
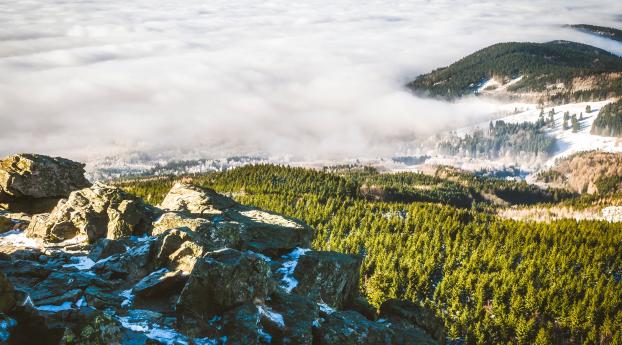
x,y
568,142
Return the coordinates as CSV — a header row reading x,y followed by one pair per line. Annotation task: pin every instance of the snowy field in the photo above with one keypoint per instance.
x,y
568,142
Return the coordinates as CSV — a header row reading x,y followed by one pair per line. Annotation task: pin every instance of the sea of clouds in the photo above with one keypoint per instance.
x,y
312,79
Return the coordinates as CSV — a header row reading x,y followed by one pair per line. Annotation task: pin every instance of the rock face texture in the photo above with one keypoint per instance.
x,y
34,183
222,280
328,277
100,211
103,268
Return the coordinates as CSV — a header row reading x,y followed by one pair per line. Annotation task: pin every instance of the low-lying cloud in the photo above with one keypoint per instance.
x,y
312,79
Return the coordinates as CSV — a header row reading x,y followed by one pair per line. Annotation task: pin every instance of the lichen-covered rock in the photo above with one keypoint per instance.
x,y
195,200
212,235
222,280
397,310
178,250
100,211
99,328
329,277
33,183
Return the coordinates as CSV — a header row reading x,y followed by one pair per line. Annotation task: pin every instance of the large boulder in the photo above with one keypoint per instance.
x,y
34,183
291,318
100,211
212,235
232,224
222,280
195,200
398,311
269,233
241,325
328,277
178,250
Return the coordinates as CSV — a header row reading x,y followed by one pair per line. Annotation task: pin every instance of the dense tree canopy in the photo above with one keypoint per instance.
x,y
540,65
493,281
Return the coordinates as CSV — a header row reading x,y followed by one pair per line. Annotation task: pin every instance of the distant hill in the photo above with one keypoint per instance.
x,y
609,120
586,172
603,31
558,71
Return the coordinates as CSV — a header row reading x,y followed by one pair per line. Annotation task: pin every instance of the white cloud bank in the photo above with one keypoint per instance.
x,y
315,79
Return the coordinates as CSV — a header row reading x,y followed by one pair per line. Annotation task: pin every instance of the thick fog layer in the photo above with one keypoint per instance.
x,y
313,79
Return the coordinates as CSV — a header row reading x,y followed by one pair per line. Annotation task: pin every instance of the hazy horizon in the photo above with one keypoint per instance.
x,y
314,79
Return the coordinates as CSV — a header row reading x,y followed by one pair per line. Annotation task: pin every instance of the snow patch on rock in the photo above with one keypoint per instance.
x,y
288,282
81,262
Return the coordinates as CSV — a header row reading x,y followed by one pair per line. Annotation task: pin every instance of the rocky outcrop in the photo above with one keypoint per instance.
x,y
100,211
195,200
268,233
246,228
34,183
104,268
222,280
328,277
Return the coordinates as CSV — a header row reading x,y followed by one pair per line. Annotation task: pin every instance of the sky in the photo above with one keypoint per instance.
x,y
318,79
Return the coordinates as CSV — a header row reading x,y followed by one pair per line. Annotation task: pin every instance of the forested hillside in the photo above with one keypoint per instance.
x,y
609,120
541,65
492,280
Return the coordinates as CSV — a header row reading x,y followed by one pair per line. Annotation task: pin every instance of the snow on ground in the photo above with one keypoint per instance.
x,y
81,263
568,142
272,315
18,238
325,308
492,85
56,308
288,282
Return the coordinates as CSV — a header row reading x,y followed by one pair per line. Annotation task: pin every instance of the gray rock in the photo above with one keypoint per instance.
x,y
329,277
195,200
352,328
7,294
222,280
177,250
211,235
104,248
100,211
160,283
298,313
269,233
34,183
130,266
398,311
242,325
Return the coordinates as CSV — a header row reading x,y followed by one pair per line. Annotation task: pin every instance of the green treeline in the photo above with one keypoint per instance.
x,y
493,281
609,120
540,65
501,139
